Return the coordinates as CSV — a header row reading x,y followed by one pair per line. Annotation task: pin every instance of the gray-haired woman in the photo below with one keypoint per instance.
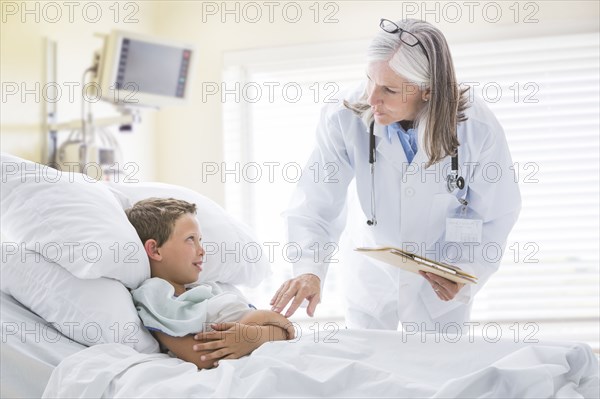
x,y
433,176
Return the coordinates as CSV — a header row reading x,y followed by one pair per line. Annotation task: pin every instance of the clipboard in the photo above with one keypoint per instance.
x,y
415,263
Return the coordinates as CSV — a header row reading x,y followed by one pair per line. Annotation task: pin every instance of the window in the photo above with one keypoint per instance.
x,y
544,91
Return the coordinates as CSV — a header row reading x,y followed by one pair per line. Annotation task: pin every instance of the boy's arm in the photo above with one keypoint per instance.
x,y
180,346
270,318
231,341
234,340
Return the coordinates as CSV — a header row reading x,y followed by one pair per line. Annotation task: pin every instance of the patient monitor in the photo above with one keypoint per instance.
x,y
136,70
131,71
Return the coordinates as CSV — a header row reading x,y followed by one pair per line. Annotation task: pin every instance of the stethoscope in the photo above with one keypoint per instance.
x,y
453,181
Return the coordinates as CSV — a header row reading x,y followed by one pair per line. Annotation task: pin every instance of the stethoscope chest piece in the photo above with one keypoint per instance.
x,y
454,181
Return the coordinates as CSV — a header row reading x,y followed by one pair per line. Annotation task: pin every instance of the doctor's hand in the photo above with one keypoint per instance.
x,y
445,289
305,286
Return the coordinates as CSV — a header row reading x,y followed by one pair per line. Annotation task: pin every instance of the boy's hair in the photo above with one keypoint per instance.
x,y
154,218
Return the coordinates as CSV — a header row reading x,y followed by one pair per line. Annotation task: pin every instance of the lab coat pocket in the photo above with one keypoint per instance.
x,y
441,207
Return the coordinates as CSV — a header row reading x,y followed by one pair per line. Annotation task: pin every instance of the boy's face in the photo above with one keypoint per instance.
x,y
181,255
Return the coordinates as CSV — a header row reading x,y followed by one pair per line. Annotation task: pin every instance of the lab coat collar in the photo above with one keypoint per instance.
x,y
390,148
381,131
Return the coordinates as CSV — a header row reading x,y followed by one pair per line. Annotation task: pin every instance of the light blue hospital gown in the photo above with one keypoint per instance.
x,y
190,312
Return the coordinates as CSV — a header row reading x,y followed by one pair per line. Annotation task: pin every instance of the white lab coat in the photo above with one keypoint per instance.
x,y
412,204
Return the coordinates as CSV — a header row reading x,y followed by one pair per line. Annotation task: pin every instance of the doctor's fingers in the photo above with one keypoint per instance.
x,y
283,301
442,293
312,304
305,291
279,293
298,299
449,286
285,296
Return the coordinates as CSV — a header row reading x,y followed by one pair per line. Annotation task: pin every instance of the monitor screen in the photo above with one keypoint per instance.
x,y
153,68
141,71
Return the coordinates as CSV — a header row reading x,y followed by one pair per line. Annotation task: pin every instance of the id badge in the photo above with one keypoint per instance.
x,y
463,229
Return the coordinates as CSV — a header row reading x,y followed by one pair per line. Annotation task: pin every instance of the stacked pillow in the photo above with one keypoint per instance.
x,y
89,311
69,250
71,220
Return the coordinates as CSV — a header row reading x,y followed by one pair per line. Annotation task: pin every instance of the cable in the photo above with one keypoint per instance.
x,y
83,118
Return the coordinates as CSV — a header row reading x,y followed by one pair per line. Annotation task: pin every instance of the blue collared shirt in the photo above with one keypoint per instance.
x,y
408,139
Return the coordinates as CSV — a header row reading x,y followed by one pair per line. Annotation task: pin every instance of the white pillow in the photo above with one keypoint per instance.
x,y
70,219
233,254
88,311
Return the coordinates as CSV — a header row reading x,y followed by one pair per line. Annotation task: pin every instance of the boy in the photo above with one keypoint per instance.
x,y
171,236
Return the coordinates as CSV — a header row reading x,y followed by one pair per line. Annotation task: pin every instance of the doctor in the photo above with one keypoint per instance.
x,y
397,137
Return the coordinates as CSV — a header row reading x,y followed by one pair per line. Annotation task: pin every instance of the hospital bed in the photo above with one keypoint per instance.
x,y
353,364
42,295
27,362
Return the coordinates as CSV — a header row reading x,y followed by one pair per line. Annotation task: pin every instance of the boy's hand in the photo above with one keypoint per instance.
x,y
230,340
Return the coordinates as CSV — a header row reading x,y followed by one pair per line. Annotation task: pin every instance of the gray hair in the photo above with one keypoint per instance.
x,y
438,120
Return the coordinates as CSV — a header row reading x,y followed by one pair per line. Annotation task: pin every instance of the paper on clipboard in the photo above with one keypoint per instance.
x,y
415,263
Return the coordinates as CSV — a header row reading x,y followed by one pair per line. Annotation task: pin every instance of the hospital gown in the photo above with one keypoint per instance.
x,y
189,313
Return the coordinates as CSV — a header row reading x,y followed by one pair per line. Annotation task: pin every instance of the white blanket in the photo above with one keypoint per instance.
x,y
360,364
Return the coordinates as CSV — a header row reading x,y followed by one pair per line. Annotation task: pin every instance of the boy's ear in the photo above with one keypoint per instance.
x,y
151,248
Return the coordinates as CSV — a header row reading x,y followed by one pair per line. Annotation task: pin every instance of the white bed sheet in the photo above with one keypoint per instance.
x,y
30,350
361,364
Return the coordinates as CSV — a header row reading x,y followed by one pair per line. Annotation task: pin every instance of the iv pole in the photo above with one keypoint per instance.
x,y
51,128
49,132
